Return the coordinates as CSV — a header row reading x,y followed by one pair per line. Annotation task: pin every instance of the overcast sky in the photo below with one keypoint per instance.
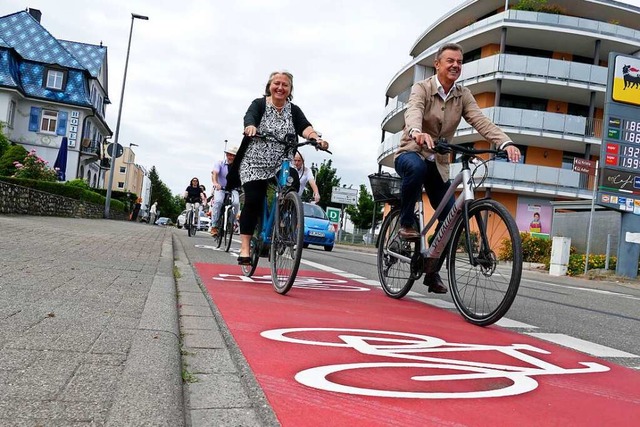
x,y
196,65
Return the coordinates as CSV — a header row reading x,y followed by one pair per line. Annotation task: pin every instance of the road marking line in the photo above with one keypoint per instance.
x,y
509,323
581,345
578,288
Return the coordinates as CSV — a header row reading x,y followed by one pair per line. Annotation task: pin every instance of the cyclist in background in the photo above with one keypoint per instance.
x,y
194,194
434,110
219,180
306,176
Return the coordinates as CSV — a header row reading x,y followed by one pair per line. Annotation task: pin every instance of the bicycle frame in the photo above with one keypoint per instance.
x,y
268,215
433,252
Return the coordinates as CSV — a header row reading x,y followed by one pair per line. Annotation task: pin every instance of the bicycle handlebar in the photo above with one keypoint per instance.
x,y
443,147
290,140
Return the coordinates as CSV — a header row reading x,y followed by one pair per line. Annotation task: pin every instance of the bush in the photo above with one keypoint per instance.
x,y
15,153
34,167
576,263
80,183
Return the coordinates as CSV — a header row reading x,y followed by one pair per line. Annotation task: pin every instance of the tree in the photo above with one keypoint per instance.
x,y
4,142
326,179
362,213
15,153
167,203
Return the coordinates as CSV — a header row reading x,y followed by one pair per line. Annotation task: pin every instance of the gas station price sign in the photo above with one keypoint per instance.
x,y
619,184
622,147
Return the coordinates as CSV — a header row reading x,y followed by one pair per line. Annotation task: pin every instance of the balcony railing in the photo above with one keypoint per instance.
x,y
533,18
90,147
531,178
541,121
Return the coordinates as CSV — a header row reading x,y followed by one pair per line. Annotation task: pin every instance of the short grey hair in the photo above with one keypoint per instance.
x,y
448,46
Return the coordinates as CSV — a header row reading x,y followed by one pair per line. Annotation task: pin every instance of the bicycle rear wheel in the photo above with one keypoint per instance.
x,y
286,242
394,274
228,228
484,289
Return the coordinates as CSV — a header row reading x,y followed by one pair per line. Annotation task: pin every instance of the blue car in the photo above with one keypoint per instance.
x,y
318,230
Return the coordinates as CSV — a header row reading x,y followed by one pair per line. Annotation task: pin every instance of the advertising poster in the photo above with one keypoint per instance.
x,y
534,215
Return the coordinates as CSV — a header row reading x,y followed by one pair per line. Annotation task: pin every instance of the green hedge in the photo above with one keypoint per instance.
x,y
576,263
71,191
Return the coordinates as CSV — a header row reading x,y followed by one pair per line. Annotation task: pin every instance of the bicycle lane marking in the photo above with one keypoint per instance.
x,y
356,357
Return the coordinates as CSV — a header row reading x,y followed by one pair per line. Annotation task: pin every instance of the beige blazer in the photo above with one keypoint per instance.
x,y
427,111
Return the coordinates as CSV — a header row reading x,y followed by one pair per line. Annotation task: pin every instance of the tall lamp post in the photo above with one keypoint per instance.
x,y
114,150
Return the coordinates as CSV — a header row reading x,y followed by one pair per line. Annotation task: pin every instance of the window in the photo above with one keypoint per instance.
x,y
49,121
11,113
120,184
123,169
55,79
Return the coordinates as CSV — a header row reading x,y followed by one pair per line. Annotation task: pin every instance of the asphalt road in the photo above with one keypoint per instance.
x,y
599,317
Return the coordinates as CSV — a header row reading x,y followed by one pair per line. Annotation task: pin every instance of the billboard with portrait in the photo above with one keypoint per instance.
x,y
533,215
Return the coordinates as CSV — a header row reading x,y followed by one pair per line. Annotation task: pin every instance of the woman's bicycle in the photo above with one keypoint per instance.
x,y
191,220
226,221
280,232
473,237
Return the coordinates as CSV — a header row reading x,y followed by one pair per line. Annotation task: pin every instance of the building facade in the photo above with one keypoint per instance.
x,y
541,76
51,89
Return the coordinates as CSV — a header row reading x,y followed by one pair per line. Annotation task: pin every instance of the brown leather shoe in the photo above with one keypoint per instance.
x,y
408,233
435,283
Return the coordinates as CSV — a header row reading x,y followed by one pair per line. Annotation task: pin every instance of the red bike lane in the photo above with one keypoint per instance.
x,y
336,352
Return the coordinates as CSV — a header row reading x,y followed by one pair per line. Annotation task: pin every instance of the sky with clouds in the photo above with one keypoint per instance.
x,y
196,65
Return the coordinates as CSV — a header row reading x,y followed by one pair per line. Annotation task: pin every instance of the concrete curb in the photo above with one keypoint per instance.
x,y
150,389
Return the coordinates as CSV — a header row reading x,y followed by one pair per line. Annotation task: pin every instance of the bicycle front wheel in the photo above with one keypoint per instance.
x,y
394,273
286,242
228,229
218,237
483,287
190,227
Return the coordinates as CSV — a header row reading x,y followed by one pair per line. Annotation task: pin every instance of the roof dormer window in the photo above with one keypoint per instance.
x,y
55,79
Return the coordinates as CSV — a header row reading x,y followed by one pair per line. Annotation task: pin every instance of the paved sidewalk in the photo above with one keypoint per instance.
x,y
88,324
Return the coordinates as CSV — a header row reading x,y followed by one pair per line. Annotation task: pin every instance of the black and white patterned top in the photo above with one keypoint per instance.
x,y
263,157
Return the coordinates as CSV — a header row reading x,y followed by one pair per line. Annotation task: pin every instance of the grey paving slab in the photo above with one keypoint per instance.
x,y
88,324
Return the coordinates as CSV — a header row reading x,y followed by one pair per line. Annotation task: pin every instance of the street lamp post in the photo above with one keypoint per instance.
x,y
115,143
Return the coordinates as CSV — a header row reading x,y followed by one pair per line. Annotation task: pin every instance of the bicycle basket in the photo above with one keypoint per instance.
x,y
385,187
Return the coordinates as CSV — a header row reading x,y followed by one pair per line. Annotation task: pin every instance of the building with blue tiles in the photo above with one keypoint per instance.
x,y
51,89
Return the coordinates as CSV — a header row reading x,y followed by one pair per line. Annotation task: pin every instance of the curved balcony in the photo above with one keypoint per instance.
x,y
559,33
532,179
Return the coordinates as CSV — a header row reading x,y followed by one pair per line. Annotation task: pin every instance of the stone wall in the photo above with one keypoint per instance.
x,y
15,199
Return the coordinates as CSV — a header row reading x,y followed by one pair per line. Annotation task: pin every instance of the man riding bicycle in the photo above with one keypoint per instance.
x,y
434,110
219,180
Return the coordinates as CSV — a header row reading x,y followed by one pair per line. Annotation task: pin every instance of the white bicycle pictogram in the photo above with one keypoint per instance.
x,y
411,353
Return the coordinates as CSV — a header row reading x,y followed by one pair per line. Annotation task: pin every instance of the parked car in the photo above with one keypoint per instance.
x,y
205,221
318,230
163,220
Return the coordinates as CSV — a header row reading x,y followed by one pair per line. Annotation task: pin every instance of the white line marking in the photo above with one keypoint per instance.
x,y
578,288
509,323
581,345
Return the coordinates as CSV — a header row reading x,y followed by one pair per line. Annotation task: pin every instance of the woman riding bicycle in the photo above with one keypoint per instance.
x,y
194,195
258,159
434,110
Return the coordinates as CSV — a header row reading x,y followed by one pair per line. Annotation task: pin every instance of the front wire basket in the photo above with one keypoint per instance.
x,y
385,187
